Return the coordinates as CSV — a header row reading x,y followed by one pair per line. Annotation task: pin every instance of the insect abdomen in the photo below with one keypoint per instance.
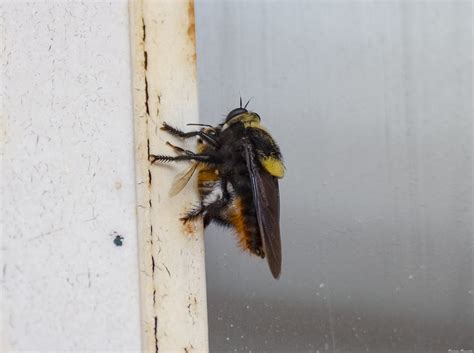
x,y
207,179
243,218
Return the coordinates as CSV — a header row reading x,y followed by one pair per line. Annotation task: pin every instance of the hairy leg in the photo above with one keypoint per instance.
x,y
209,211
194,157
177,132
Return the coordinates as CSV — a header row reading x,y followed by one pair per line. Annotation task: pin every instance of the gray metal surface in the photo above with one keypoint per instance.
x,y
371,103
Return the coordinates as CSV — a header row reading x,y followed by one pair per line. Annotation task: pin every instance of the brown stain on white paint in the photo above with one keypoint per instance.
x,y
192,30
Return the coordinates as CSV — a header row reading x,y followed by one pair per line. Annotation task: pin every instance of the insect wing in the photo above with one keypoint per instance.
x,y
182,179
267,203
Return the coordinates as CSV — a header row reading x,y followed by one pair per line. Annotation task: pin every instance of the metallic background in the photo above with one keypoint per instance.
x,y
371,103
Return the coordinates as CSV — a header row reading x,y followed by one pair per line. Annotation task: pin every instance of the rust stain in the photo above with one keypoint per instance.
x,y
192,29
189,228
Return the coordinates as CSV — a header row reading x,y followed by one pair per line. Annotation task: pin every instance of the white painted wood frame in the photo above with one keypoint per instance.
x,y
174,308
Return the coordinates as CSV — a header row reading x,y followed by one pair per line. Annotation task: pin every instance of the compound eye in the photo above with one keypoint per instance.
x,y
235,112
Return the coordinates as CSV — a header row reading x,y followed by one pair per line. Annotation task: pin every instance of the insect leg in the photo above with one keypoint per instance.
x,y
177,132
180,150
210,211
194,157
193,214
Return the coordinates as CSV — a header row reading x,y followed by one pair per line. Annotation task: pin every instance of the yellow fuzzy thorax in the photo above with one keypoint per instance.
x,y
248,119
251,120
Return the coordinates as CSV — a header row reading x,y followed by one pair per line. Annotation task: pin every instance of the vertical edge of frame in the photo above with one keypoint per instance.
x,y
171,255
142,187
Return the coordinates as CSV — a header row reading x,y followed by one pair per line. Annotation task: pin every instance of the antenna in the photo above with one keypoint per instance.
x,y
246,103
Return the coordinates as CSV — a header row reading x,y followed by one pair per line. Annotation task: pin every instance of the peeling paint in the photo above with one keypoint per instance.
x,y
192,306
147,108
143,30
155,331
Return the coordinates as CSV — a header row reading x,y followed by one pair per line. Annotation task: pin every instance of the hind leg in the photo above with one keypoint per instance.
x,y
193,214
210,211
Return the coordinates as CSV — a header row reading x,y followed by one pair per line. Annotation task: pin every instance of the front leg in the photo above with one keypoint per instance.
x,y
194,157
177,132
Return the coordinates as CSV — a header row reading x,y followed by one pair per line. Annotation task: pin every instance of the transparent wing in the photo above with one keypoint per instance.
x,y
182,179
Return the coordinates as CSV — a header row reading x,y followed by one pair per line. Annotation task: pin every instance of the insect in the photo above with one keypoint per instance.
x,y
238,165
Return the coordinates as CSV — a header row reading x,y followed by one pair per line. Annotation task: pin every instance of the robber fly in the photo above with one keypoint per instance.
x,y
238,165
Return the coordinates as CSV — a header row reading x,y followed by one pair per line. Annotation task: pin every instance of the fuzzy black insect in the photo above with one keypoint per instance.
x,y
238,165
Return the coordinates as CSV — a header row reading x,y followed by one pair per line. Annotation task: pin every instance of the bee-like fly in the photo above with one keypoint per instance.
x,y
238,165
